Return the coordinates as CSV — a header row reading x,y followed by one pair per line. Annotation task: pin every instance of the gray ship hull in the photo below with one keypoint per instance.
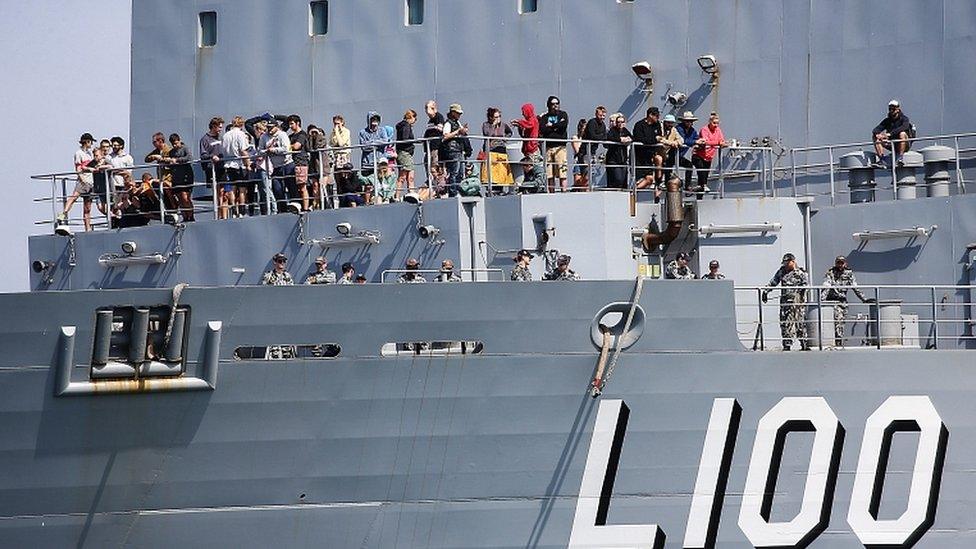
x,y
474,450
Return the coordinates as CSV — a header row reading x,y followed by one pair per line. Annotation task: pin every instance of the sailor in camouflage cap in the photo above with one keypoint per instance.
x,y
521,271
839,279
562,270
321,275
278,276
792,301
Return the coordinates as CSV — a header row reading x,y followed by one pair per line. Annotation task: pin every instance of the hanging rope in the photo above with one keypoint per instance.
x,y
599,384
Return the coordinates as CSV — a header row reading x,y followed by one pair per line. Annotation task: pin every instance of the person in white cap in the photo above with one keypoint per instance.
x,y
894,126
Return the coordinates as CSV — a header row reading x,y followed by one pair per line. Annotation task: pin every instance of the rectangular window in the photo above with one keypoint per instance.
x,y
414,12
208,29
528,6
318,23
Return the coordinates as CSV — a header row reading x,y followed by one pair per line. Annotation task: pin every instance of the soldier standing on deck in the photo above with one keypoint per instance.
x,y
321,275
562,270
521,271
792,298
840,278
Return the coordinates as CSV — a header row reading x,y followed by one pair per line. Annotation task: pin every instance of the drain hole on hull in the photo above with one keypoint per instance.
x,y
432,348
287,352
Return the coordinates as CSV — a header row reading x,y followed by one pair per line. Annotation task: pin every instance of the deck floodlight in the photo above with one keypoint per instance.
x,y
129,247
344,228
62,229
428,231
39,266
708,64
644,73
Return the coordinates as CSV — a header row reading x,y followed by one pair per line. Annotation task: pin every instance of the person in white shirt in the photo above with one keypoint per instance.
x,y
119,160
283,169
237,164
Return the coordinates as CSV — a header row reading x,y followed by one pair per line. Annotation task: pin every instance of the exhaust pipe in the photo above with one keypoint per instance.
x,y
676,218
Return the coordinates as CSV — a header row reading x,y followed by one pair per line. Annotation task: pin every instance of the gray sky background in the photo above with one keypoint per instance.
x,y
66,71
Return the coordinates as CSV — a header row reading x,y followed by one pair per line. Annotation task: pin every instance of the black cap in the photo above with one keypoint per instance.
x,y
563,259
279,256
86,137
346,267
682,255
523,252
360,278
788,257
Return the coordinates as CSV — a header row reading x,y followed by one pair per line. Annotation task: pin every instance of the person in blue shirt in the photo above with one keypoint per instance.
x,y
690,139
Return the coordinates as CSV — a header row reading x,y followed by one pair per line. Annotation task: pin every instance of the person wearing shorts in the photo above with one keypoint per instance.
x,y
553,126
83,158
237,165
182,174
299,144
404,150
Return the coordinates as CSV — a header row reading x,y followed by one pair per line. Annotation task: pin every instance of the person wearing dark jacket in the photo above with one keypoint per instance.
x,y
894,126
552,128
617,155
405,148
647,156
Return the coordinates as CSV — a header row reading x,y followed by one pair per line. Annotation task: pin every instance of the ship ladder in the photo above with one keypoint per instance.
x,y
599,380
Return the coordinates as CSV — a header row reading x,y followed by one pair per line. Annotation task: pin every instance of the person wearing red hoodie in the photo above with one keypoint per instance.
x,y
528,128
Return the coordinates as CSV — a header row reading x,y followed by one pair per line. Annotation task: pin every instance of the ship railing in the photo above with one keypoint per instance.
x,y
587,170
814,163
467,275
892,316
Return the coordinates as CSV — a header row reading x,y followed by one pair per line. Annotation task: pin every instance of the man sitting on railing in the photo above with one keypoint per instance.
x,y
137,203
647,155
382,185
894,126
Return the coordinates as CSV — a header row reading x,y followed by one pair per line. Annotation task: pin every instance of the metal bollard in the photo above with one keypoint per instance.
x,y
138,335
886,319
905,175
937,161
860,176
103,337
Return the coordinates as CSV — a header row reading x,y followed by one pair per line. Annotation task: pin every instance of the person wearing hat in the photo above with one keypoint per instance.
x,y
360,279
83,189
321,274
894,126
838,280
452,148
792,301
713,272
447,273
670,142
690,141
348,274
383,183
278,276
678,269
411,276
520,273
562,270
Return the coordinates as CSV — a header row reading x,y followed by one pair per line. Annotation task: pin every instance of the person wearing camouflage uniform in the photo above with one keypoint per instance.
x,y
678,269
521,271
411,277
792,300
278,276
321,275
447,273
840,278
562,270
348,273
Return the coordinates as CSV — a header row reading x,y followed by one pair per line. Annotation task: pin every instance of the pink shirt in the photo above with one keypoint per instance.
x,y
712,140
